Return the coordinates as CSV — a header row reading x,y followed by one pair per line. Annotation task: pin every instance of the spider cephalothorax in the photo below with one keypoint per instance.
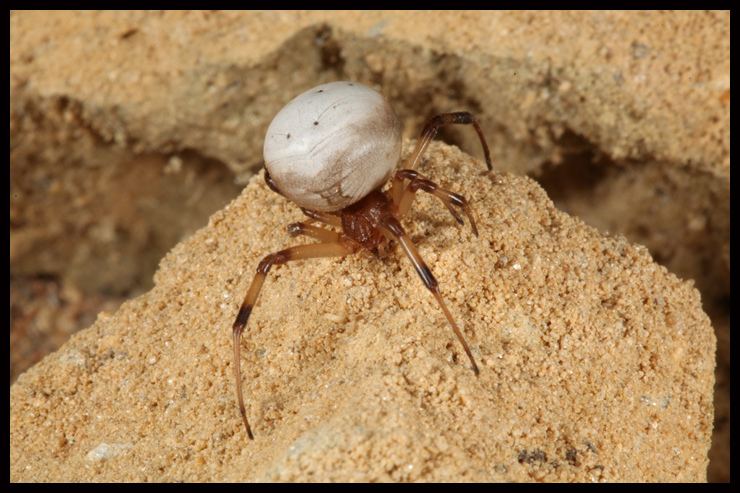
x,y
330,151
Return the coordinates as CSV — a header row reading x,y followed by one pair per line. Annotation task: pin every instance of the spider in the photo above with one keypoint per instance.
x,y
330,151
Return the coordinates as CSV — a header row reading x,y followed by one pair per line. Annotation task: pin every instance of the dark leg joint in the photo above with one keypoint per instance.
x,y
282,256
314,215
407,174
462,117
309,213
242,317
395,227
264,265
429,280
422,184
457,199
294,229
274,258
459,117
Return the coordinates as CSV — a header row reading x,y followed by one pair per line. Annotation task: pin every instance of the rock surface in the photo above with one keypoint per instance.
x,y
539,75
596,363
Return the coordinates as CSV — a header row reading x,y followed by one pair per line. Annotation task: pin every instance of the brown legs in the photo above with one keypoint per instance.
x,y
336,248
430,130
324,217
392,227
318,233
403,196
433,126
449,199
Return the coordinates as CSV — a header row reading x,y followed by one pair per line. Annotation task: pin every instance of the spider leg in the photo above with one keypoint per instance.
x,y
322,234
430,130
324,217
435,123
448,198
338,248
393,228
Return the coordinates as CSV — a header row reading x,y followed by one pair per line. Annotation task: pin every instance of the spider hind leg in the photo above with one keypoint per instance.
x,y
338,248
393,228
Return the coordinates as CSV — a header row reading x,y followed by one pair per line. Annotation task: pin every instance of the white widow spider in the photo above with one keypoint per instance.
x,y
330,151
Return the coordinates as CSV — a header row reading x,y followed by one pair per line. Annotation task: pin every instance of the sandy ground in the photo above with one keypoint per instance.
x,y
594,359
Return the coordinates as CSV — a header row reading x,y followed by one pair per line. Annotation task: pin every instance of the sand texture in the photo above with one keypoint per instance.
x,y
624,82
597,364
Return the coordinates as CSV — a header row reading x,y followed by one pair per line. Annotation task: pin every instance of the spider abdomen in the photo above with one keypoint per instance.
x,y
332,145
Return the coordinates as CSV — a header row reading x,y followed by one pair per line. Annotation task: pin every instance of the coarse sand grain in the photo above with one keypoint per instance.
x,y
597,364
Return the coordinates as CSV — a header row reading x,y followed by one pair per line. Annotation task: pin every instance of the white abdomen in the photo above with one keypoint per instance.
x,y
332,145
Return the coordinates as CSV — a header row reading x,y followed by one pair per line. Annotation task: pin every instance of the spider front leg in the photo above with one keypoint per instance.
x,y
324,217
433,126
448,198
430,130
338,248
322,234
392,228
